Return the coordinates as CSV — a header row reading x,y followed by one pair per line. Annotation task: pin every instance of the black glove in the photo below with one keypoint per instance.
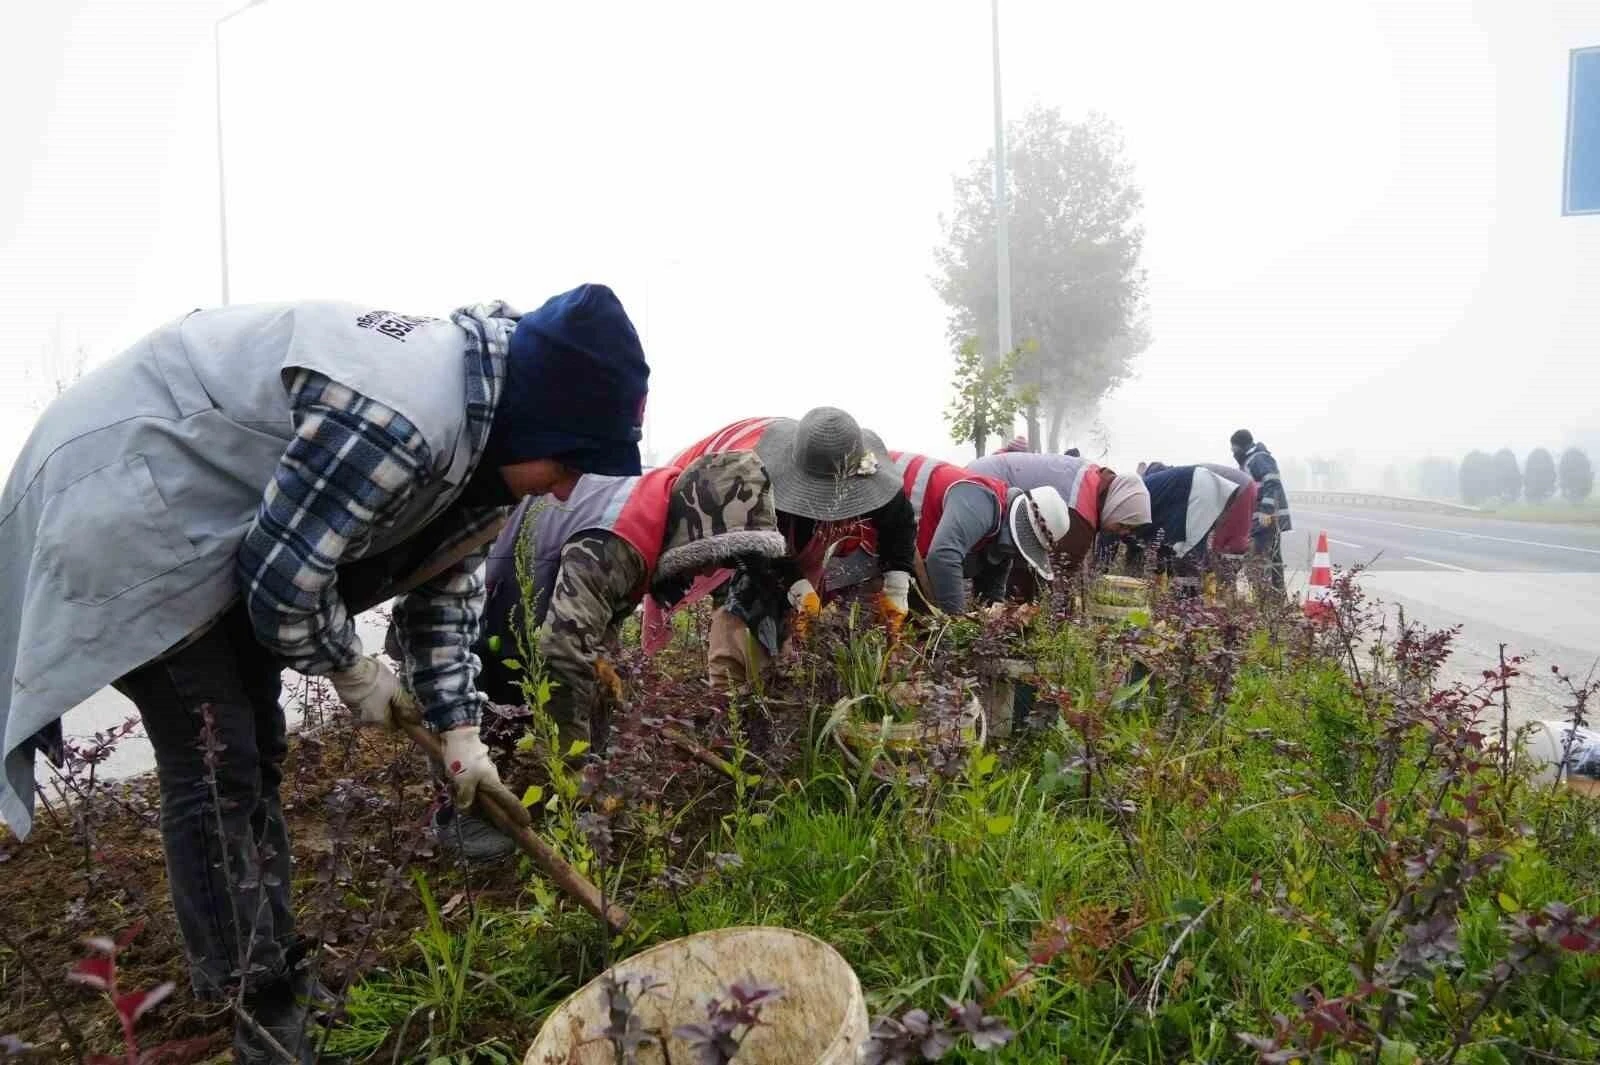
x,y
756,596
669,590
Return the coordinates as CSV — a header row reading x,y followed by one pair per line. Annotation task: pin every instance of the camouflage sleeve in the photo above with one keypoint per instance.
x,y
599,581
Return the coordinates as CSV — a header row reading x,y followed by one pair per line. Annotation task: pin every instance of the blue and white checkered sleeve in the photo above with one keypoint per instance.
x,y
353,463
438,624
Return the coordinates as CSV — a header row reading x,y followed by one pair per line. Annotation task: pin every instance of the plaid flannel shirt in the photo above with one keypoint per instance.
x,y
352,467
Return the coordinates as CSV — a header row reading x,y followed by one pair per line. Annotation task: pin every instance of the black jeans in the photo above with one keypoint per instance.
x,y
1267,545
228,850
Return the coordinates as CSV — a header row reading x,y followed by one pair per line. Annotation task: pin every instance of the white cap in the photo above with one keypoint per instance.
x,y
1040,519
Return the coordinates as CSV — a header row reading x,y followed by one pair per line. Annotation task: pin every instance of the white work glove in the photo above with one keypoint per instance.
x,y
472,774
807,605
897,590
373,693
804,598
894,602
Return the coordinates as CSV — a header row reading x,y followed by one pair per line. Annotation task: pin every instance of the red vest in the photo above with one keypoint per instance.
x,y
927,482
633,508
742,435
1085,496
642,521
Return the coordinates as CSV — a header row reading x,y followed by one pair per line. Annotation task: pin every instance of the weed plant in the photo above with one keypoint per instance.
x,y
1229,835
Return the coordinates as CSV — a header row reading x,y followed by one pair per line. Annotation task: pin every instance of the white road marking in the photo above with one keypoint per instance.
x,y
1346,543
1470,535
1441,565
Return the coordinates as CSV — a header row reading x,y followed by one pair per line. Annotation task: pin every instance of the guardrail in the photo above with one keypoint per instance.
x,y
1378,502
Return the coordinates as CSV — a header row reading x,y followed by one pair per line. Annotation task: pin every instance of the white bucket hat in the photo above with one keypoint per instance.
x,y
1040,519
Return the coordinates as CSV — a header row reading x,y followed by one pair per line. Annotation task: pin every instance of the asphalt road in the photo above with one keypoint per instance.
x,y
1533,587
1403,540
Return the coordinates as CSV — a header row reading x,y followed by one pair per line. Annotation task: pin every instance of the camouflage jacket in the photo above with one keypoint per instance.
x,y
597,587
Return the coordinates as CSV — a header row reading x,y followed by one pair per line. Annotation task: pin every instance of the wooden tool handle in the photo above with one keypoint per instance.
x,y
568,879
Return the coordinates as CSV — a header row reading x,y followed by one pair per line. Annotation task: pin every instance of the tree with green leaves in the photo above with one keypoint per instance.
x,y
1077,289
1576,475
1507,475
1477,477
987,397
1539,476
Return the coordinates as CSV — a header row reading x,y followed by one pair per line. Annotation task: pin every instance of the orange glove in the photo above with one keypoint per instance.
x,y
610,683
807,606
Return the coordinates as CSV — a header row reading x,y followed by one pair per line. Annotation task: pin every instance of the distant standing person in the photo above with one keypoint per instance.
x,y
1272,503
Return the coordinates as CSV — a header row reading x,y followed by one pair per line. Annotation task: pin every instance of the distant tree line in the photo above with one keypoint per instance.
x,y
1482,476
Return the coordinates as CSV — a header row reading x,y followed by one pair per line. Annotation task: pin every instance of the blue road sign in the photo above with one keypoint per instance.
x,y
1581,188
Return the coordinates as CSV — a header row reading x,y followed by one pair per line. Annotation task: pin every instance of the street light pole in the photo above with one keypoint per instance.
x,y
222,182
1002,235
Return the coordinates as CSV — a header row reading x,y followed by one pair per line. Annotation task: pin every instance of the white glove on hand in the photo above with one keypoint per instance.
x,y
472,773
803,597
894,602
371,691
807,607
897,590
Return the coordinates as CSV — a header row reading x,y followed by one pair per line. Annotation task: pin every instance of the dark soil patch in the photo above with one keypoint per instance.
x,y
358,805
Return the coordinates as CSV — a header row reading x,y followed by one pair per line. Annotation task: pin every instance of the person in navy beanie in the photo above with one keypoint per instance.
x,y
575,387
268,472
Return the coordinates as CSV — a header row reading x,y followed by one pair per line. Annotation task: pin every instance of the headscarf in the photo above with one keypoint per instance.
x,y
1127,502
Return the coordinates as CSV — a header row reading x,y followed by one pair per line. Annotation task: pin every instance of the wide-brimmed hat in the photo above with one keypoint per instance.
x,y
720,511
824,467
1039,519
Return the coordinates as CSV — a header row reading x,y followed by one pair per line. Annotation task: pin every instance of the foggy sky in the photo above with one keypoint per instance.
x,y
1354,238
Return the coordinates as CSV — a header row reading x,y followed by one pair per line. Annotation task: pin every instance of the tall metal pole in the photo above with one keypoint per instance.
x,y
1002,235
222,181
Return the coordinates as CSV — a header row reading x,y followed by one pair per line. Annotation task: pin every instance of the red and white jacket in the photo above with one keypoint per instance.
x,y
928,482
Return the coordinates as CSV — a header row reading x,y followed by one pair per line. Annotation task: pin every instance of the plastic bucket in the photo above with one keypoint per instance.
x,y
997,693
820,1020
1121,588
903,739
1549,742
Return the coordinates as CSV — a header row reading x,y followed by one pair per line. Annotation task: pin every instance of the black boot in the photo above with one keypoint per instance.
x,y
285,1010
278,1012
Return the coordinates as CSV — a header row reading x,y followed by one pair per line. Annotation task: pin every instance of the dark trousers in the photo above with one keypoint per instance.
x,y
1267,545
227,853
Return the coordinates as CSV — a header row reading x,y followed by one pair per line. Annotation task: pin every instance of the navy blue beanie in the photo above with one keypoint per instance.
x,y
576,380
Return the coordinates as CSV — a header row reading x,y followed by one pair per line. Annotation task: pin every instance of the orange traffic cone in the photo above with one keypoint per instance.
x,y
1319,591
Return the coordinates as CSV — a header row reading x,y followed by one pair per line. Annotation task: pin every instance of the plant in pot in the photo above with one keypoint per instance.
x,y
890,702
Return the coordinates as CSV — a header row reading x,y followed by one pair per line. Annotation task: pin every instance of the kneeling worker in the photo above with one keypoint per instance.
x,y
972,525
592,558
1101,500
833,487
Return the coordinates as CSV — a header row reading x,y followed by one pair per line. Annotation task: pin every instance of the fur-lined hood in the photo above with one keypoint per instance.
x,y
720,510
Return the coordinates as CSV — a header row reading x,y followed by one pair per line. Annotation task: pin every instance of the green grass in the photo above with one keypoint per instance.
x,y
1556,512
1202,878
